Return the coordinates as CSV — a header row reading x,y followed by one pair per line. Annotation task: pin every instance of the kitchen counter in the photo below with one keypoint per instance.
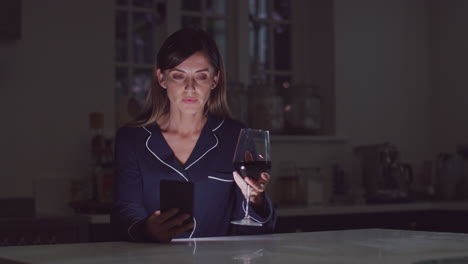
x,y
372,208
422,216
347,246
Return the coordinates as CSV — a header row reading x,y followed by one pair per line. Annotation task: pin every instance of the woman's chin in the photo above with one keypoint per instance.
x,y
191,110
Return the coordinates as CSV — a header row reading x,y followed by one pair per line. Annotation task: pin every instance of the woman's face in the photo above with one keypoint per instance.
x,y
189,84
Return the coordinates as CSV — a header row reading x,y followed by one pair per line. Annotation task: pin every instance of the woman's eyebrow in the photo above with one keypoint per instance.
x,y
179,70
175,69
205,69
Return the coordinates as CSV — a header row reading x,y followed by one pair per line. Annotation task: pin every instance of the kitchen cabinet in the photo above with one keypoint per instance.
x,y
425,220
101,232
20,231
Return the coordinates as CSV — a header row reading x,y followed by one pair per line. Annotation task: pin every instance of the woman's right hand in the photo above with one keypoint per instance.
x,y
163,227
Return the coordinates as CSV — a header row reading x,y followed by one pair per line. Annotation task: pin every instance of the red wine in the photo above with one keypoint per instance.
x,y
253,169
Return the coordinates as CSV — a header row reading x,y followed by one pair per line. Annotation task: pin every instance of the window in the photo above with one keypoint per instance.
x,y
270,41
270,62
254,38
273,76
138,32
209,15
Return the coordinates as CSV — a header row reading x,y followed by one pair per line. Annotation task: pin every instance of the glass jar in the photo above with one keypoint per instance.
x,y
267,108
304,112
289,185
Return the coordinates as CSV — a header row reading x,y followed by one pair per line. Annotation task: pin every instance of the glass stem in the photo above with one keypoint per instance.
x,y
248,201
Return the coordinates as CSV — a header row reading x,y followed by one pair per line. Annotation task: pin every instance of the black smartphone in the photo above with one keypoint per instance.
x,y
177,194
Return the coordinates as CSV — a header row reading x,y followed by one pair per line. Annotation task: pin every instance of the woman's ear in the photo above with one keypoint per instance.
x,y
215,81
160,77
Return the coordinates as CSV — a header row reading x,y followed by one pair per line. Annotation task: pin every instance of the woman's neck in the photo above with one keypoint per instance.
x,y
182,124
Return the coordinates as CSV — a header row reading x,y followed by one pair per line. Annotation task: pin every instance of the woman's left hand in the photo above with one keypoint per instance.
x,y
257,188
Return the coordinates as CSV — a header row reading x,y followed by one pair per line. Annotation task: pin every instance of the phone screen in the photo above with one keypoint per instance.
x,y
176,194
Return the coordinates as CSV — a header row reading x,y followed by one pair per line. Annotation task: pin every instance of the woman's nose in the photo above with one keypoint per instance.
x,y
190,85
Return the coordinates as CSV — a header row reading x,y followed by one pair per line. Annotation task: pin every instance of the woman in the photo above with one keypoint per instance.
x,y
185,134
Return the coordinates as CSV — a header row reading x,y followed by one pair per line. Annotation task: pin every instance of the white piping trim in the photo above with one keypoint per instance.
x,y
130,227
151,134
217,141
194,227
222,122
219,179
147,140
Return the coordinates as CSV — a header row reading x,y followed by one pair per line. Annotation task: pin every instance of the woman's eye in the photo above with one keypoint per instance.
x,y
202,77
178,76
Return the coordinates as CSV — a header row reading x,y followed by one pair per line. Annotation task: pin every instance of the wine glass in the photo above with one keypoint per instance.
x,y
251,158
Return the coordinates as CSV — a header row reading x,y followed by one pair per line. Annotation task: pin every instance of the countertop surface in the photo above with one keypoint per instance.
x,y
349,246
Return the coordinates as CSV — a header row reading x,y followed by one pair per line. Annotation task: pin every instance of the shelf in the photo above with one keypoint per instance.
x,y
307,138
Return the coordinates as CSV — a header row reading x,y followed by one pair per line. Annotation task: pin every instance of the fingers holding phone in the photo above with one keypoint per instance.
x,y
164,226
175,216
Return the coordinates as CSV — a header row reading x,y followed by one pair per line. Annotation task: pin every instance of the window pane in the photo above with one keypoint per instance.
x,y
215,7
259,46
121,36
217,29
143,3
121,2
121,82
141,84
190,21
281,9
258,8
282,46
143,45
191,5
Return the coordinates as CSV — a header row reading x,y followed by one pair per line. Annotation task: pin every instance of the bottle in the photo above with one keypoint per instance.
x,y
96,124
101,160
316,189
105,176
338,179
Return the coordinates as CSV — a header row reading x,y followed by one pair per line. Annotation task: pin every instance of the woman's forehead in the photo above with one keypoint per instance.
x,y
197,62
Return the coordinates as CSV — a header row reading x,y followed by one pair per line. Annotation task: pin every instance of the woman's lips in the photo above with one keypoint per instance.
x,y
189,100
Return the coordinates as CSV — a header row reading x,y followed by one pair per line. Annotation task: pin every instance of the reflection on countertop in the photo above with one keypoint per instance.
x,y
347,246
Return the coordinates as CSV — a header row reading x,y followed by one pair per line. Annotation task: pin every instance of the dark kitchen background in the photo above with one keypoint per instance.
x,y
366,101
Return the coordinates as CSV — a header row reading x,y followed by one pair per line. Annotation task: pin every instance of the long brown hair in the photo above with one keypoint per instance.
x,y
175,49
